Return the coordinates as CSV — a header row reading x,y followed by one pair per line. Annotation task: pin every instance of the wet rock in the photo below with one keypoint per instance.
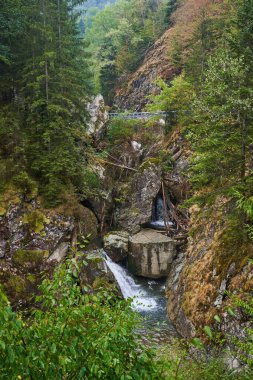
x,y
116,245
151,254
137,209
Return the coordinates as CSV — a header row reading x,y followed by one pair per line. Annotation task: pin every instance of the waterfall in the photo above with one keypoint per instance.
x,y
143,299
148,299
158,214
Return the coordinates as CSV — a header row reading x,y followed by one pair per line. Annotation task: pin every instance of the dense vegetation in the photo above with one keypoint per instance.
x,y
213,98
80,332
43,92
120,36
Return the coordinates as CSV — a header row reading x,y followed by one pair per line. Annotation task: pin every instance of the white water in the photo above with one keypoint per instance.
x,y
143,300
158,215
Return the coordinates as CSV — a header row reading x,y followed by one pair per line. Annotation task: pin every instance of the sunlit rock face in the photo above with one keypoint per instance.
x,y
98,117
151,254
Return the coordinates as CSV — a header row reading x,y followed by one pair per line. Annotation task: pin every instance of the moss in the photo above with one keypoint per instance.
x,y
29,258
16,286
232,247
2,211
35,221
149,162
31,278
8,197
135,211
3,296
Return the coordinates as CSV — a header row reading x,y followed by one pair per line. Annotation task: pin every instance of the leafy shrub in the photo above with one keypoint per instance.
x,y
121,129
24,183
76,334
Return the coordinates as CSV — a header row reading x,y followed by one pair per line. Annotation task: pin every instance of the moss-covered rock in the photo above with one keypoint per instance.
x,y
35,221
29,259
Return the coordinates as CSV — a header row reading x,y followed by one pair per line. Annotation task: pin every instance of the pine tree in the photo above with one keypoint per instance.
x,y
51,84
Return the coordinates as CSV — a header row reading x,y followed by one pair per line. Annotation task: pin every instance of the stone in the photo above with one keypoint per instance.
x,y
88,226
143,189
116,245
98,117
60,253
2,248
151,254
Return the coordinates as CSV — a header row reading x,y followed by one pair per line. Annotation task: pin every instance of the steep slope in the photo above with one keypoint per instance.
x,y
132,95
167,56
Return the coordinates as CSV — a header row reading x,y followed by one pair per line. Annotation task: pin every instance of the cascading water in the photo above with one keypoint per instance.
x,y
158,214
130,287
148,296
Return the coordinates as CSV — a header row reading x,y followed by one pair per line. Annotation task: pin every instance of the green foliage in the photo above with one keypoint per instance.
x,y
121,129
170,7
75,334
25,184
220,134
118,38
42,98
35,221
175,98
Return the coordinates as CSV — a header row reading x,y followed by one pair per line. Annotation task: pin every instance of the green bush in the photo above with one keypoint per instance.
x,y
76,334
121,129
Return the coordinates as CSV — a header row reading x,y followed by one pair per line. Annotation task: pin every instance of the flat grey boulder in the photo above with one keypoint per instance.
x,y
116,245
151,254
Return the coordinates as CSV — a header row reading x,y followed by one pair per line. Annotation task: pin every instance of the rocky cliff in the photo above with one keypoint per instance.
x,y
167,57
33,240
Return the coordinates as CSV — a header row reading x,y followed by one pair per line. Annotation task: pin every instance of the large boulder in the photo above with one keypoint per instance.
x,y
151,254
143,189
116,245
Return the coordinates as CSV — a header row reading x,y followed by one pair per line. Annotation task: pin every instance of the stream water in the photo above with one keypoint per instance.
x,y
148,299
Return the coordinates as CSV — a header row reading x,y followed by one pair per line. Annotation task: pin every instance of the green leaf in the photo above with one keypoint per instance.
x,y
217,319
231,312
53,348
197,342
208,331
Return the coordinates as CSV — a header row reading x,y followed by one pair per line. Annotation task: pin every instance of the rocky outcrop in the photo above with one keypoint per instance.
x,y
32,240
116,245
133,95
98,117
217,261
137,209
151,254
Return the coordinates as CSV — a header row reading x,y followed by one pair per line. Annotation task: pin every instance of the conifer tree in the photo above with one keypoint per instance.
x,y
51,83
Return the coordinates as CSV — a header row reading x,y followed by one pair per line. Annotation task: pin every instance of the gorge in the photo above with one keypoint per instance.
x,y
126,207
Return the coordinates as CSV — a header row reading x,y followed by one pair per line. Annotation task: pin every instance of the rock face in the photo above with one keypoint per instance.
x,y
143,189
33,240
151,254
142,82
116,245
98,117
215,262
